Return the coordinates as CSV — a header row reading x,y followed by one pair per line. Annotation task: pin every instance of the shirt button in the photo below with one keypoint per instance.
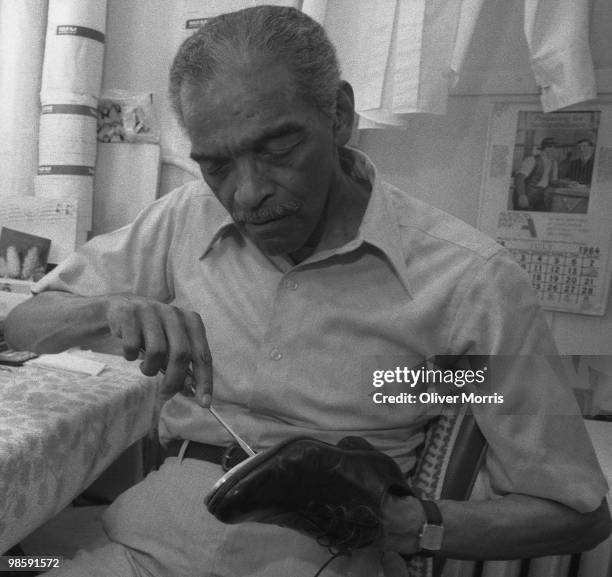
x,y
291,284
276,354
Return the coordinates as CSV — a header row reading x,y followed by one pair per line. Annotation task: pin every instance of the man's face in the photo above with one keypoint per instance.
x,y
550,151
268,157
585,149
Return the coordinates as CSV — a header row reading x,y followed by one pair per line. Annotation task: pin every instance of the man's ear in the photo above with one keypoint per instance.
x,y
345,114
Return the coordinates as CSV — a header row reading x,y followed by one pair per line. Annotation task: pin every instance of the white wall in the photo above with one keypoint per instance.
x,y
439,159
141,39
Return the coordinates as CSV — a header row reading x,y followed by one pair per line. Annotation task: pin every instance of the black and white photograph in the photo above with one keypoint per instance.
x,y
22,256
554,155
305,288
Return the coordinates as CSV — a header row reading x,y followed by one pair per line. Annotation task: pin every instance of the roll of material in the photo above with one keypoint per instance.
x,y
67,134
74,49
67,152
22,33
71,81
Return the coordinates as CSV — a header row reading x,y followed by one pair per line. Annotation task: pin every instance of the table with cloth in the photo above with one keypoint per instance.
x,y
59,430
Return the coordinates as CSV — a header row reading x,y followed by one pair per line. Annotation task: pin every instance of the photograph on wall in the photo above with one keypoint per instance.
x,y
552,165
547,197
22,256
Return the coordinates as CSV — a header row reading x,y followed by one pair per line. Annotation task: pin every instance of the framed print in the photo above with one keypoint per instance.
x,y
547,197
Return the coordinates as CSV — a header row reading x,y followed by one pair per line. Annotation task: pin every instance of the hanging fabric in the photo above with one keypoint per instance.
x,y
404,56
401,56
22,43
557,33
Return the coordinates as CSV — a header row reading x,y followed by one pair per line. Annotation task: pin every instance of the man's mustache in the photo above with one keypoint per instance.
x,y
265,213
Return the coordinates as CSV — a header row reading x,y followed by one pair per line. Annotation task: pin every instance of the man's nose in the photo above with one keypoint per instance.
x,y
252,186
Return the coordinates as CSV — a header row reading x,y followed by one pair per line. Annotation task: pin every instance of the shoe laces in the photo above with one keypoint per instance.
x,y
341,529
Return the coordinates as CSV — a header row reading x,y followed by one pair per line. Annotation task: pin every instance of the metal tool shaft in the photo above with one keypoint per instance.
x,y
243,444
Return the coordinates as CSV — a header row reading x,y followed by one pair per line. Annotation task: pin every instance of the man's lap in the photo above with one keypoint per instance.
x,y
161,528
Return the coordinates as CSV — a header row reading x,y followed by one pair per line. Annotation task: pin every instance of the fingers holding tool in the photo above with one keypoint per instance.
x,y
173,341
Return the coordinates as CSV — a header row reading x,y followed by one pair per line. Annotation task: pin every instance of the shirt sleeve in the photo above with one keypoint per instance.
x,y
527,166
537,441
132,260
557,34
554,171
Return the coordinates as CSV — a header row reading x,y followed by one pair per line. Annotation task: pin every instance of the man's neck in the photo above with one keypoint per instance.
x,y
343,213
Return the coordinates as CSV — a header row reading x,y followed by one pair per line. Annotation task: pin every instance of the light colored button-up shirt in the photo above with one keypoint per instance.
x,y
294,346
549,172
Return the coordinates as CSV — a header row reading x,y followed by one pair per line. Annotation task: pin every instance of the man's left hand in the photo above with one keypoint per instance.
x,y
334,493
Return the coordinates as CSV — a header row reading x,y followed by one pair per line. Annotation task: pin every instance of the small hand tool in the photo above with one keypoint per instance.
x,y
243,444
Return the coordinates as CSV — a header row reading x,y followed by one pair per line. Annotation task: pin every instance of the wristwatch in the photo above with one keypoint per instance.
x,y
432,531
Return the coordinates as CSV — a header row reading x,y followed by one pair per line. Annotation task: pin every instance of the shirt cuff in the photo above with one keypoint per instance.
x,y
565,77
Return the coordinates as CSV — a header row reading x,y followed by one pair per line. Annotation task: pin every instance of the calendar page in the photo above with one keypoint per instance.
x,y
547,197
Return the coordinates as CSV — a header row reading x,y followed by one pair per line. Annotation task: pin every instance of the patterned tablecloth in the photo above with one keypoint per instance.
x,y
58,431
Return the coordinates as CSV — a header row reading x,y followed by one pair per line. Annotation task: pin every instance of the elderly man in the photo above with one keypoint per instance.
x,y
290,265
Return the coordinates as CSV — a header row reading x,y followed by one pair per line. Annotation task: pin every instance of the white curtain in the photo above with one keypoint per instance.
x,y
22,40
403,56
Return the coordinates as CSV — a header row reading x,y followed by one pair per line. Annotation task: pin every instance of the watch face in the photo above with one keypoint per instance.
x,y
431,537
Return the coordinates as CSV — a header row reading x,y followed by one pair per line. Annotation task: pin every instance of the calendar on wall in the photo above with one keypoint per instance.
x,y
547,197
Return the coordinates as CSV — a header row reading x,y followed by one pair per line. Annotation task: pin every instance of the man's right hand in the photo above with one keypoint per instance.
x,y
172,339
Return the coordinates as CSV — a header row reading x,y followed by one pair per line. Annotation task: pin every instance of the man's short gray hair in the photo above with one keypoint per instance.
x,y
281,33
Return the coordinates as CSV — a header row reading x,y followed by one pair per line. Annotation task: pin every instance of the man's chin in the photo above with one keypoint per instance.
x,y
268,239
272,246
278,246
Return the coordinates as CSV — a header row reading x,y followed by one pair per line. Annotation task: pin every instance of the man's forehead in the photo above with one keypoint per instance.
x,y
236,108
238,86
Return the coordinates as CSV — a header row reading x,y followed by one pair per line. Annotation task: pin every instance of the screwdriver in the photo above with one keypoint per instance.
x,y
243,444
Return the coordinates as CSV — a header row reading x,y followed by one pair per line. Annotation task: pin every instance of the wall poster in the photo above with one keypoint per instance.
x,y
547,197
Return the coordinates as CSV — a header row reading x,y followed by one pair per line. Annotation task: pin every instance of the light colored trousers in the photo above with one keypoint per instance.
x,y
161,528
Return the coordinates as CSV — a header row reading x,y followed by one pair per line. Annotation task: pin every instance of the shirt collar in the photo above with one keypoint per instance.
x,y
223,226
379,226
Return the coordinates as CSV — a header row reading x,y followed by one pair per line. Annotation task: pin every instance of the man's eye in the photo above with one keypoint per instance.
x,y
281,146
216,168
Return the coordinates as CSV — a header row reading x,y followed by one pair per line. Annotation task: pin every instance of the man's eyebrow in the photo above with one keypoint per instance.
x,y
284,129
279,131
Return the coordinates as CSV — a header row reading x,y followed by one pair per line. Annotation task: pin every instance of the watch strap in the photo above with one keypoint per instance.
x,y
430,539
432,512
